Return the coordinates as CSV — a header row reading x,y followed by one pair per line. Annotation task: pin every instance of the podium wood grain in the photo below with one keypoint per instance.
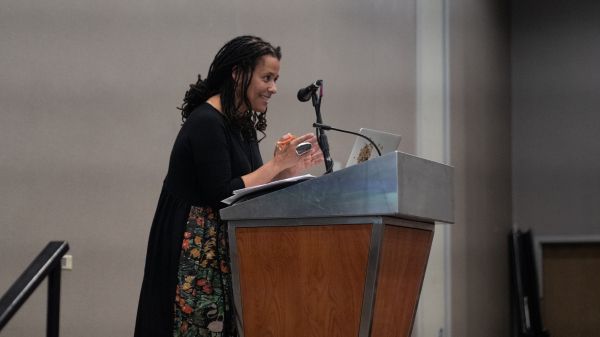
x,y
404,257
305,281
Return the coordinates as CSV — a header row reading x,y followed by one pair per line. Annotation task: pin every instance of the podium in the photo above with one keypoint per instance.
x,y
343,254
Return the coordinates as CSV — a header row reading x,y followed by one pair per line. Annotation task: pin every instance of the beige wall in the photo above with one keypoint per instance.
x,y
88,92
432,143
480,152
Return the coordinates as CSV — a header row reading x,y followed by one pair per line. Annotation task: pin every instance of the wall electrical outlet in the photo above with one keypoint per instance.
x,y
66,263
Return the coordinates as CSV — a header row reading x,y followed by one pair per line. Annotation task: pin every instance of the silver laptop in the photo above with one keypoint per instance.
x,y
363,150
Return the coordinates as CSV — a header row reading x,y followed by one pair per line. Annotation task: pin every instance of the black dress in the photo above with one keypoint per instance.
x,y
187,264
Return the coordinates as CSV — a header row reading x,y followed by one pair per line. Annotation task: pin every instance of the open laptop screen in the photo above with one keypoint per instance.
x,y
363,150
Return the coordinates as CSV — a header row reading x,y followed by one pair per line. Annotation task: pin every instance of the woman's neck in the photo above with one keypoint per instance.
x,y
215,101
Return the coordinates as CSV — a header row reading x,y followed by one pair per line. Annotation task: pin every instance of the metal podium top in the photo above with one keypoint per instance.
x,y
396,184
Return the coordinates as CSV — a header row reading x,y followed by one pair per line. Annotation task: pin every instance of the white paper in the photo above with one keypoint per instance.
x,y
237,194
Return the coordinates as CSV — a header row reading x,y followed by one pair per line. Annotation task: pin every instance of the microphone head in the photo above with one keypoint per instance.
x,y
304,94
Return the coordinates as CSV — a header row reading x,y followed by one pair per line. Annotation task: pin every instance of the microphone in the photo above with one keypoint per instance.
x,y
304,94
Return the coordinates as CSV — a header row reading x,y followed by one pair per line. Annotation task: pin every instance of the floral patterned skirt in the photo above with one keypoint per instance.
x,y
203,300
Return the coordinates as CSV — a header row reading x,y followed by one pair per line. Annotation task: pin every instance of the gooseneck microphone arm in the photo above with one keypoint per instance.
x,y
310,92
321,136
327,127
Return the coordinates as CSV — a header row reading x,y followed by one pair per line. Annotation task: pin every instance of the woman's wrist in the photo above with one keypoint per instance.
x,y
278,164
264,174
287,173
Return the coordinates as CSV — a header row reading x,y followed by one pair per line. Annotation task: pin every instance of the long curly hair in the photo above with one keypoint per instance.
x,y
241,54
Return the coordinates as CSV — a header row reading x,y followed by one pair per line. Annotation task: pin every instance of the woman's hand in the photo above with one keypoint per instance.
x,y
286,162
294,164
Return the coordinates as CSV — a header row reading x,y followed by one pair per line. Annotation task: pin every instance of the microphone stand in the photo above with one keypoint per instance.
x,y
327,127
321,136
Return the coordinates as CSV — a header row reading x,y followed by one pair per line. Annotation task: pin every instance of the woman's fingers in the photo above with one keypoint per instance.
x,y
284,142
285,151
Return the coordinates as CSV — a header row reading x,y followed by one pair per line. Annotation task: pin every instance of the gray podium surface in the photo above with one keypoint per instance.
x,y
396,184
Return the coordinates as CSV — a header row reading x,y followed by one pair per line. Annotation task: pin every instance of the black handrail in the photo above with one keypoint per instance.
x,y
47,263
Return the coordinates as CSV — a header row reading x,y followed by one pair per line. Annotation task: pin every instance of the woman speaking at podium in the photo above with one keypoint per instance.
x,y
186,289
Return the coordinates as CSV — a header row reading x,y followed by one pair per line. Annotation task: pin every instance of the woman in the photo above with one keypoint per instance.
x,y
187,283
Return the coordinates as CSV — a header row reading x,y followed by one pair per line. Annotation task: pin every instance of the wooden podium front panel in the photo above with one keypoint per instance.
x,y
304,281
403,260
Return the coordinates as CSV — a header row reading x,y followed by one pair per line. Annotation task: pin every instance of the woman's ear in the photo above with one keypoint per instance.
x,y
235,74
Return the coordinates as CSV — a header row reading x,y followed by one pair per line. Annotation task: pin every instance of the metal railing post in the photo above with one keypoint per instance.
x,y
53,314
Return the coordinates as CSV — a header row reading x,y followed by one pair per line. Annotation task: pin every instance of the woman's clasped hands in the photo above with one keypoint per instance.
x,y
286,156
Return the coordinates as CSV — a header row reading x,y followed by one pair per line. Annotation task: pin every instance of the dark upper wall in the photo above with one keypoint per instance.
x,y
556,116
480,153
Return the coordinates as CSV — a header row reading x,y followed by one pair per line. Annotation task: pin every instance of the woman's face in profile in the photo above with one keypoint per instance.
x,y
262,85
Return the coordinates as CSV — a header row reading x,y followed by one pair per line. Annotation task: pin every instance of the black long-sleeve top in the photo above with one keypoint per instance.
x,y
208,159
